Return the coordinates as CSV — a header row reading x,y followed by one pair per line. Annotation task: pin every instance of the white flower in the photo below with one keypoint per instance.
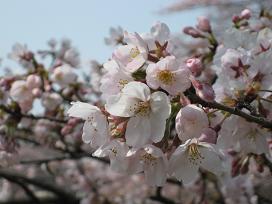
x,y
159,32
133,55
71,56
114,80
152,161
243,136
64,75
51,101
169,75
116,36
189,157
117,152
148,113
22,55
95,129
190,122
20,91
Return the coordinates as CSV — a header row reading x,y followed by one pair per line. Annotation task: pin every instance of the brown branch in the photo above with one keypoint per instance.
x,y
20,115
11,175
259,120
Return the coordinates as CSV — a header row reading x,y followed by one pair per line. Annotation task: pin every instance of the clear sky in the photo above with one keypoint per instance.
x,y
85,22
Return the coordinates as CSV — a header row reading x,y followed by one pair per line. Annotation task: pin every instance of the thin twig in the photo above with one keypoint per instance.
x,y
11,175
259,120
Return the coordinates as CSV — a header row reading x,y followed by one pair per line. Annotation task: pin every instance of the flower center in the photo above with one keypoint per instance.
x,y
194,154
134,52
143,108
166,77
149,159
114,151
122,83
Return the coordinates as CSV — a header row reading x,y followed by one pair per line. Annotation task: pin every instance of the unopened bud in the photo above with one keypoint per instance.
x,y
245,14
195,66
203,24
192,32
208,135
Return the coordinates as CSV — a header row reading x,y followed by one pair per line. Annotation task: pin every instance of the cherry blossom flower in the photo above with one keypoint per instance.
x,y
51,101
189,157
190,122
133,55
243,136
147,113
95,129
152,161
64,75
114,80
20,91
169,75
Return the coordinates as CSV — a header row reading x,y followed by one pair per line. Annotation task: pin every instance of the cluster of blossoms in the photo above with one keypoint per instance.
x,y
161,109
195,115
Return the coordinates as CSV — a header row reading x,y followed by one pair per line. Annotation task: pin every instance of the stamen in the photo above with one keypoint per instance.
x,y
149,159
134,52
194,154
166,77
143,108
122,83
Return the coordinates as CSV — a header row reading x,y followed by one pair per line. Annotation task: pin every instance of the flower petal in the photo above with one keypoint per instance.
x,y
138,131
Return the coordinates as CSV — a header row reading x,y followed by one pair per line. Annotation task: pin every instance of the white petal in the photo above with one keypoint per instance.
x,y
137,90
121,105
138,131
181,167
82,110
160,104
211,160
155,174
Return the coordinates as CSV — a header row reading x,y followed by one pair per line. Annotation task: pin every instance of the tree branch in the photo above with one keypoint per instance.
x,y
259,120
10,175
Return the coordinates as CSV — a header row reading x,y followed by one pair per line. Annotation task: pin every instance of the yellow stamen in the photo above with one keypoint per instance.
x,y
134,52
166,77
194,154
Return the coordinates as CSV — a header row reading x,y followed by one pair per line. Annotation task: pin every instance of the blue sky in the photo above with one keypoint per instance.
x,y
85,22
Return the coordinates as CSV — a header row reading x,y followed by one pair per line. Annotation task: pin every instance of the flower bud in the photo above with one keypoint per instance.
x,y
33,81
36,92
235,19
245,14
204,90
195,66
208,135
203,24
192,32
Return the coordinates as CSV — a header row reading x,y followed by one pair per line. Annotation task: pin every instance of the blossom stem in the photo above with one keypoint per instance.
x,y
259,120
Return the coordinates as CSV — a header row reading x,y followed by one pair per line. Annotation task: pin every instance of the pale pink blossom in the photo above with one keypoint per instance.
x,y
190,122
169,75
189,157
51,101
64,75
95,129
147,113
133,55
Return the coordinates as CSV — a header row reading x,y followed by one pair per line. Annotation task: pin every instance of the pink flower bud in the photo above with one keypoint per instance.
x,y
192,32
73,121
245,14
204,90
195,66
33,81
47,87
66,130
203,24
235,19
208,135
36,92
